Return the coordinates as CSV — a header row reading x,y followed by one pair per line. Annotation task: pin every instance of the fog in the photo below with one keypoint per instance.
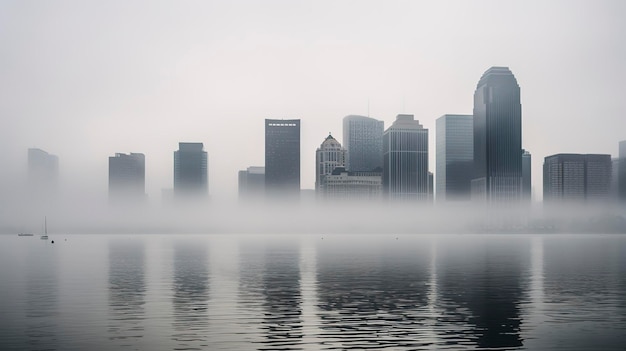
x,y
86,80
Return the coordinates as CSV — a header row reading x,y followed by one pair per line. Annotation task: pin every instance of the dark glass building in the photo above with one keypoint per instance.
x,y
455,155
576,178
127,177
497,137
282,157
405,160
526,175
363,141
252,183
190,170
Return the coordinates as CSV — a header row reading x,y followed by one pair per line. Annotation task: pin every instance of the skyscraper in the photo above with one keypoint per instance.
x,y
327,157
252,183
43,173
455,153
526,175
405,160
363,141
282,157
576,178
190,170
497,137
127,177
621,182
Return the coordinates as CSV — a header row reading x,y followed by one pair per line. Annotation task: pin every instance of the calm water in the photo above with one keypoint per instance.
x,y
192,292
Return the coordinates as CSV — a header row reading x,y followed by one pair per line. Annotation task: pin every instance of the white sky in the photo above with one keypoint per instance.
x,y
86,79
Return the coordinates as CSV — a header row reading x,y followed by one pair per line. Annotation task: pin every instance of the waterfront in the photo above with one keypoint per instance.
x,y
313,292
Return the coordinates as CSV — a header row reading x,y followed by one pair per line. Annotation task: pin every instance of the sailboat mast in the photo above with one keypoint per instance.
x,y
45,221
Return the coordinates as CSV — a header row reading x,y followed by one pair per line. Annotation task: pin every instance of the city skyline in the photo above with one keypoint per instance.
x,y
121,90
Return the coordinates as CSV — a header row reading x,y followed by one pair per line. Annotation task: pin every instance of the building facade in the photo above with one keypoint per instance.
x,y
621,177
252,183
282,157
328,156
343,185
127,176
497,137
405,160
454,157
190,170
576,178
363,141
526,175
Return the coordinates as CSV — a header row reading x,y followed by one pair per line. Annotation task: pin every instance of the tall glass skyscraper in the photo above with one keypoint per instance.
x,y
282,157
363,140
497,137
190,170
455,155
405,160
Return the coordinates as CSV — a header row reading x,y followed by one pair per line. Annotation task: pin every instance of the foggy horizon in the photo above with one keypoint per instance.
x,y
86,81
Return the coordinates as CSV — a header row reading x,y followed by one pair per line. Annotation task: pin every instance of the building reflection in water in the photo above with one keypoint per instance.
x,y
373,294
585,278
269,293
127,290
190,296
480,290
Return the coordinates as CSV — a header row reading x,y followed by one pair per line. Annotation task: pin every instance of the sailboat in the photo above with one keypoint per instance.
x,y
45,233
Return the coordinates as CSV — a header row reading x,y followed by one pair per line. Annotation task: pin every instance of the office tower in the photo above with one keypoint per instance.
x,y
363,141
43,173
621,182
343,185
526,175
282,157
252,183
190,170
497,137
327,157
615,178
576,178
127,176
455,153
405,160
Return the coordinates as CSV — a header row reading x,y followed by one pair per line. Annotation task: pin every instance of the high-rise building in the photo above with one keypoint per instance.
x,y
621,181
526,175
252,183
405,160
190,170
343,185
615,178
497,137
576,178
455,153
43,173
282,157
327,157
127,176
363,141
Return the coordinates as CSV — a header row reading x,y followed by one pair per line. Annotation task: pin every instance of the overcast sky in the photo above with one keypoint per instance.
x,y
84,80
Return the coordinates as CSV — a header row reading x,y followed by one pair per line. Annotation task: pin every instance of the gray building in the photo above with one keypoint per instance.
x,y
497,137
526,175
405,160
282,157
190,170
343,185
328,156
621,181
454,156
127,177
252,183
576,178
363,141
